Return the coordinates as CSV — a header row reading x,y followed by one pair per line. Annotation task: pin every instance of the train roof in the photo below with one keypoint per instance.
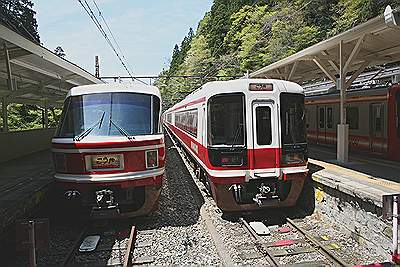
x,y
240,85
114,87
378,90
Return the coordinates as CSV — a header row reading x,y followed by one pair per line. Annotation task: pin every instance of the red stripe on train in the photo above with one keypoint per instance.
x,y
98,145
133,161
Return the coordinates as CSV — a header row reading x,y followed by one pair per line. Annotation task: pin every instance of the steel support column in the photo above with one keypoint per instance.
x,y
4,114
343,128
45,115
8,67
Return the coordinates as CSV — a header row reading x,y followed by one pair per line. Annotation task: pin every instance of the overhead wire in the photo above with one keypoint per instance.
x,y
91,14
111,33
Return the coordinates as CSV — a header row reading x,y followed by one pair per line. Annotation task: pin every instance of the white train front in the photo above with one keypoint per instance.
x,y
247,138
109,150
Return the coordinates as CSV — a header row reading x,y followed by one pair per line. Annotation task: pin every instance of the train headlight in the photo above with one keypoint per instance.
x,y
151,159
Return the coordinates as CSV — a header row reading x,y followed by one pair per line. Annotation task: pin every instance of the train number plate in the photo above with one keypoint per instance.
x,y
106,162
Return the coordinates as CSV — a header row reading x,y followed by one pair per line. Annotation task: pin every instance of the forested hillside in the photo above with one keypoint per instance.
x,y
236,36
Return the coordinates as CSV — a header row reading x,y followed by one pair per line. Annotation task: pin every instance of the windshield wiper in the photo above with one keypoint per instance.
x,y
122,131
236,135
90,129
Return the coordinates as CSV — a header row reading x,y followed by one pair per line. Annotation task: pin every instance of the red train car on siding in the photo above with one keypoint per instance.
x,y
109,150
247,139
373,116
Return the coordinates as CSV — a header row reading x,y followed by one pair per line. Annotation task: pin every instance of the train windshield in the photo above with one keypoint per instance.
x,y
293,119
226,120
110,114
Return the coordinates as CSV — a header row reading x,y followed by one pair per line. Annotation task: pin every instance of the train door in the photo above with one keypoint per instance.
x,y
203,129
377,128
396,137
265,136
321,124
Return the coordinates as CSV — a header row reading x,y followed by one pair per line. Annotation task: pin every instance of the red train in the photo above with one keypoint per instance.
x,y
247,139
109,150
373,116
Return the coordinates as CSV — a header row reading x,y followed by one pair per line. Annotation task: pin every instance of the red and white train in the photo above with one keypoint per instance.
x,y
109,150
373,116
247,138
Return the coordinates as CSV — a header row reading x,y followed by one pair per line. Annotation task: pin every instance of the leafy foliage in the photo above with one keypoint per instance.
x,y
59,51
244,35
19,16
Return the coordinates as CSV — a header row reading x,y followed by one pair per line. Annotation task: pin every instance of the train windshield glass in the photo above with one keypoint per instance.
x,y
293,119
226,124
110,114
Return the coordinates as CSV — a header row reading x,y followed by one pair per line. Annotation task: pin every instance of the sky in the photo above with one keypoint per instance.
x,y
146,31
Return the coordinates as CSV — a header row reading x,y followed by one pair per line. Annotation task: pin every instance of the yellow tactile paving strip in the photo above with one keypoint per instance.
x,y
356,175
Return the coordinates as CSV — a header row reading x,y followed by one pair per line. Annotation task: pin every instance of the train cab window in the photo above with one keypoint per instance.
x,y
329,118
293,119
321,118
226,120
108,114
352,118
263,125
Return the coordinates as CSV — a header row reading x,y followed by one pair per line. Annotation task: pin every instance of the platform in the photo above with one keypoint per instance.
x,y
364,177
23,184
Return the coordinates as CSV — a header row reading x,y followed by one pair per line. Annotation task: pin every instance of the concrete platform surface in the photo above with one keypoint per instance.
x,y
364,177
23,184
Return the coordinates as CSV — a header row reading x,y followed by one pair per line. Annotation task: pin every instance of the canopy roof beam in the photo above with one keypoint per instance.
x,y
325,69
354,52
293,69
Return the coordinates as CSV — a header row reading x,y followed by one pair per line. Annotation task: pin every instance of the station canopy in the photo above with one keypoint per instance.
x,y
372,43
38,76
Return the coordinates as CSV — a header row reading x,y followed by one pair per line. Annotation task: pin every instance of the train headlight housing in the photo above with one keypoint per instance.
x,y
151,159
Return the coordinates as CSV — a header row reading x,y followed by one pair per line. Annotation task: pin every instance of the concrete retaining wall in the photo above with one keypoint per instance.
x,y
21,143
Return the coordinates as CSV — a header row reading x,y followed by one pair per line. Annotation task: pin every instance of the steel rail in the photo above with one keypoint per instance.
x,y
326,252
218,242
71,253
130,247
260,243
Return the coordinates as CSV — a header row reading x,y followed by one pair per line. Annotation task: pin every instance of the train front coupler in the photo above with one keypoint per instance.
x,y
106,204
263,194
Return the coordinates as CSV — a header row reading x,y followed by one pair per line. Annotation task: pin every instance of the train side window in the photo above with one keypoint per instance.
x,y
378,119
156,115
263,125
398,113
352,118
329,118
321,118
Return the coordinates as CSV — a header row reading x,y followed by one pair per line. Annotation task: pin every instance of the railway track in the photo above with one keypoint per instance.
x,y
114,248
284,246
293,240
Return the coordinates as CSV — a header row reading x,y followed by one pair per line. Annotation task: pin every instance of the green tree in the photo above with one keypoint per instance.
x,y
59,51
19,16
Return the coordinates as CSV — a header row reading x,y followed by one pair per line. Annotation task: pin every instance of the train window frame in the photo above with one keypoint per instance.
x,y
182,121
209,120
329,117
258,125
353,118
321,118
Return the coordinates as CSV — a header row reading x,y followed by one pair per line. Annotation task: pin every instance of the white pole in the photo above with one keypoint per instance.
x,y
395,253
